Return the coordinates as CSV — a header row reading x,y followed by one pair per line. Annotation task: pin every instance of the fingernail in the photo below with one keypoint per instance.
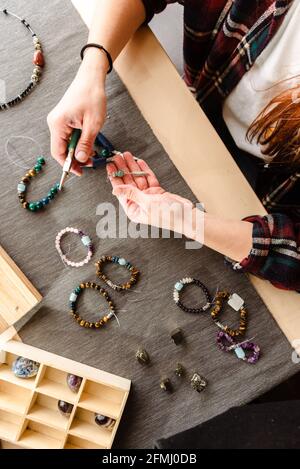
x,y
81,157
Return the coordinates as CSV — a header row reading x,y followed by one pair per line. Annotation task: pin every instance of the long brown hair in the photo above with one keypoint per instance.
x,y
277,128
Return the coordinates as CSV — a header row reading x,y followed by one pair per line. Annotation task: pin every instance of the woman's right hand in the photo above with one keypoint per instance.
x,y
83,107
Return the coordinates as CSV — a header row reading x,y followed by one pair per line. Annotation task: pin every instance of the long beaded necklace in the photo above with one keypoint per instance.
x,y
38,61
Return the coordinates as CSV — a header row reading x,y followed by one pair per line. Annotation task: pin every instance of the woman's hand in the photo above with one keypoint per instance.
x,y
143,199
84,107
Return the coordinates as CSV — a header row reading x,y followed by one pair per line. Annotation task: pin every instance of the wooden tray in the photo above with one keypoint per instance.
x,y
17,295
29,415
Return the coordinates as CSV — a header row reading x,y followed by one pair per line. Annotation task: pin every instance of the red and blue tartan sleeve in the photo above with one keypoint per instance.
x,y
275,254
156,6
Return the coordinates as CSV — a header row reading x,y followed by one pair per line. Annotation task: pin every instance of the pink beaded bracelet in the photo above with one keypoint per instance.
x,y
86,241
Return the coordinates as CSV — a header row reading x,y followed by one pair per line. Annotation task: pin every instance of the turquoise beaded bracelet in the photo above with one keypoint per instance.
x,y
22,188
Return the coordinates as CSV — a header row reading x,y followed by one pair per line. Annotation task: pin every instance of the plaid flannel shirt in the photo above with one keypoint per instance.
x,y
222,40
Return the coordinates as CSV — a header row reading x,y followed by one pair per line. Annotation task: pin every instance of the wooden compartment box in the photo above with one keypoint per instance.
x,y
29,414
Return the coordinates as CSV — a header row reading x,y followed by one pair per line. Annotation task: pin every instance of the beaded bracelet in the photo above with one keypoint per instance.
x,y
86,241
237,303
191,281
73,300
38,61
120,261
22,188
227,344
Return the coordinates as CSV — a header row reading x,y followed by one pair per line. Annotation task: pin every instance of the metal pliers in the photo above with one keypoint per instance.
x,y
104,153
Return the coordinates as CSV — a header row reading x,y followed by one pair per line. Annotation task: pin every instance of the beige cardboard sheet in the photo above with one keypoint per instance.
x,y
207,167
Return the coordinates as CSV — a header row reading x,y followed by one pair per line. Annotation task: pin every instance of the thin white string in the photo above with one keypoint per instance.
x,y
66,253
233,346
16,137
215,295
117,319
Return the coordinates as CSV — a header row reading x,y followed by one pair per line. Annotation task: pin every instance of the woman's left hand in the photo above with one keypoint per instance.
x,y
143,199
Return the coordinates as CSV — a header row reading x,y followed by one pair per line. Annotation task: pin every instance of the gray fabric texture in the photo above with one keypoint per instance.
x,y
148,313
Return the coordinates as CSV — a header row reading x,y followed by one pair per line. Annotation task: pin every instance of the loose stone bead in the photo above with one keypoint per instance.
x,y
38,58
25,368
104,421
65,408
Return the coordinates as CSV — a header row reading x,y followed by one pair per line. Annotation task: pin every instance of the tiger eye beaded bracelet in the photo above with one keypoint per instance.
x,y
237,303
179,286
73,301
22,188
119,261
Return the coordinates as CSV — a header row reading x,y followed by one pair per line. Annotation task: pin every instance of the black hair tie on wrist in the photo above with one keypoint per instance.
x,y
98,46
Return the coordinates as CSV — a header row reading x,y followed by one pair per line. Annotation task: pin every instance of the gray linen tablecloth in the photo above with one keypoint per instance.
x,y
148,313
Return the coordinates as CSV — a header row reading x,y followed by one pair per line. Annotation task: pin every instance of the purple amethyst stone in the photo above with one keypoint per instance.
x,y
74,382
65,408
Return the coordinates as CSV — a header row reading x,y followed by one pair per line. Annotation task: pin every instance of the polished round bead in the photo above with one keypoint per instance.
x,y
41,160
122,261
38,167
45,201
32,206
53,190
50,195
32,172
105,153
39,205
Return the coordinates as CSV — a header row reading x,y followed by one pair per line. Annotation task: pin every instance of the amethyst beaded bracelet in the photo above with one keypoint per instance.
x,y
227,344
86,241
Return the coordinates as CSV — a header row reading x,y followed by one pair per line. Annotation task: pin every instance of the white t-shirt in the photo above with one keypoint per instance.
x,y
279,60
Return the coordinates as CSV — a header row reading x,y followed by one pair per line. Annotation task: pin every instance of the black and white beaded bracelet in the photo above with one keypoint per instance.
x,y
179,286
38,61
